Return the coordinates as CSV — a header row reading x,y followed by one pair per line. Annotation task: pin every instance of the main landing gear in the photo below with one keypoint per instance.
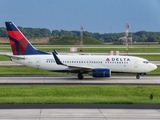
x,y
138,76
80,76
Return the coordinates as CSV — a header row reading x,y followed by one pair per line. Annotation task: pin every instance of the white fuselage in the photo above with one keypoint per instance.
x,y
127,64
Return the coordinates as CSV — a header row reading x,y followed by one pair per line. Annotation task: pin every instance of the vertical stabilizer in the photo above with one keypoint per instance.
x,y
19,43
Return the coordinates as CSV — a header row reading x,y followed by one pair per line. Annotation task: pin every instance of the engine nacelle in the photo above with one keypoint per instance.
x,y
101,72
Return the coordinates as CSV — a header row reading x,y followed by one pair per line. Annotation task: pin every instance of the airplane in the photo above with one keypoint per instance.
x,y
94,65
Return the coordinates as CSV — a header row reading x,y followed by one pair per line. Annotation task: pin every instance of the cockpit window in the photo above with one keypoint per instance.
x,y
146,62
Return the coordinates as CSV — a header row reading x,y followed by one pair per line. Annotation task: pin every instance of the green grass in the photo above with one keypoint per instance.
x,y
106,50
68,40
79,94
155,72
4,58
23,71
149,57
50,48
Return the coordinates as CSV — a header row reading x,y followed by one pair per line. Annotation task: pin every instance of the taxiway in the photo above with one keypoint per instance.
x,y
80,114
73,80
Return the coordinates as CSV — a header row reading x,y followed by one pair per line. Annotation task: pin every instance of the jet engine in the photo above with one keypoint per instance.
x,y
101,72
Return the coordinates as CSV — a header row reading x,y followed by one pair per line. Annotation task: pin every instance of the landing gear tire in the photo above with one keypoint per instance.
x,y
138,76
80,76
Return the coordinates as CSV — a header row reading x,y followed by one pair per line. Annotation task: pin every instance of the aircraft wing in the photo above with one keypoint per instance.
x,y
86,68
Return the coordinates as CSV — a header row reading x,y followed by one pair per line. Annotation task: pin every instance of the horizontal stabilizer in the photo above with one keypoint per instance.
x,y
15,56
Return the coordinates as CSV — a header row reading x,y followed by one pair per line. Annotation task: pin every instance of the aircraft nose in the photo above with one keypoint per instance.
x,y
153,66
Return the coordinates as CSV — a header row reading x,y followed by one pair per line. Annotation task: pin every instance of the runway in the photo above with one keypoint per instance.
x,y
73,80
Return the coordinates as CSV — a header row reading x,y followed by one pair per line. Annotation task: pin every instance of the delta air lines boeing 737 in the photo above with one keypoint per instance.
x,y
94,65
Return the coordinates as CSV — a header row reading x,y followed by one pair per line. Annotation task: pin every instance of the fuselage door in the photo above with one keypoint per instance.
x,y
37,62
136,63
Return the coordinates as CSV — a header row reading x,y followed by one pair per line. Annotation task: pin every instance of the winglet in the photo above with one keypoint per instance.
x,y
57,59
55,52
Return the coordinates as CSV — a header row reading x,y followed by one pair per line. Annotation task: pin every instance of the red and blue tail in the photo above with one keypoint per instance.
x,y
19,43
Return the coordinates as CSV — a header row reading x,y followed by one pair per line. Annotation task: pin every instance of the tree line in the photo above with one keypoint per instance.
x,y
140,36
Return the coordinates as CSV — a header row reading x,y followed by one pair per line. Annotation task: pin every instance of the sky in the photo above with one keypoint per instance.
x,y
98,16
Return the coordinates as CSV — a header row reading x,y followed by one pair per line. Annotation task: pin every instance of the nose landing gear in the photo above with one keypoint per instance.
x,y
138,76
